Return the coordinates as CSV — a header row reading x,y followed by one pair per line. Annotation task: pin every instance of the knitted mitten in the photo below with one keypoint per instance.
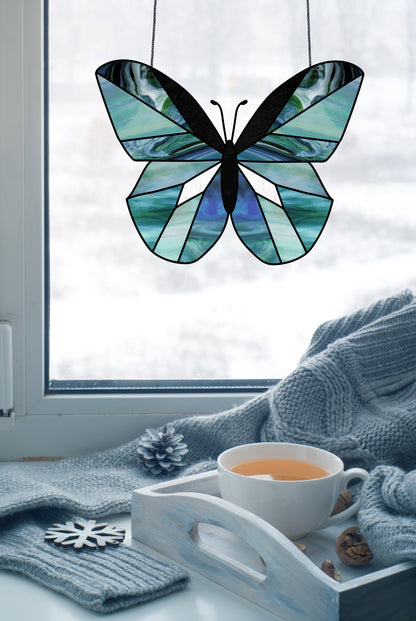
x,y
387,516
101,580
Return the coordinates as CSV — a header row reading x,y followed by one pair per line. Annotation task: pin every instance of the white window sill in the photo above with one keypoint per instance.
x,y
202,600
69,426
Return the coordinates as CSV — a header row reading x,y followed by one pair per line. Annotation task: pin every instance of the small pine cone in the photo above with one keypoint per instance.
x,y
161,452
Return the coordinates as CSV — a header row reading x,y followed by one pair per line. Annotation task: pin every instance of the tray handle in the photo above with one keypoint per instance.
x,y
179,535
276,576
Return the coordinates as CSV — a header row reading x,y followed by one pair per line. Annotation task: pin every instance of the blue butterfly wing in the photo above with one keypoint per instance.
x,y
153,116
177,209
280,210
176,204
304,119
282,205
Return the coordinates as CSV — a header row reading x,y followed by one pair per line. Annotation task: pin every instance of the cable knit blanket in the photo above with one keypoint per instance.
x,y
353,393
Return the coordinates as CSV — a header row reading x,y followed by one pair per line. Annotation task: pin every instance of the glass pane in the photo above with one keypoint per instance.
x,y
119,312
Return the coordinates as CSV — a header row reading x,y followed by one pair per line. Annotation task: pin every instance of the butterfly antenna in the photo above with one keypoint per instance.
x,y
242,103
215,103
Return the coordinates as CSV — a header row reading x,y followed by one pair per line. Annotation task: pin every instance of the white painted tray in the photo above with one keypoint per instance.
x,y
186,520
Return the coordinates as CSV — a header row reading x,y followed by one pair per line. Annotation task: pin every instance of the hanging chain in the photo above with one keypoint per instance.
x,y
152,50
308,19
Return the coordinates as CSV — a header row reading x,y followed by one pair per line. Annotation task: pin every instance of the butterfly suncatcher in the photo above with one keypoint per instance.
x,y
264,181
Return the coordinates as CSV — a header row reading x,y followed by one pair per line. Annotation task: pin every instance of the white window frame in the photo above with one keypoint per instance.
x,y
50,424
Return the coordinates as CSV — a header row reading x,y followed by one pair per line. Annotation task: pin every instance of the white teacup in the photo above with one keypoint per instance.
x,y
295,507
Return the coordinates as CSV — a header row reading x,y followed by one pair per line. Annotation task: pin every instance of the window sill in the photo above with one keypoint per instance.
x,y
66,435
88,423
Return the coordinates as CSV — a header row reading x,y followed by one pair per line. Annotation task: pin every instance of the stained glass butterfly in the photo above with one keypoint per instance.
x,y
194,181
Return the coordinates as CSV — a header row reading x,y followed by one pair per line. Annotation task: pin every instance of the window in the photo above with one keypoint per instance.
x,y
237,320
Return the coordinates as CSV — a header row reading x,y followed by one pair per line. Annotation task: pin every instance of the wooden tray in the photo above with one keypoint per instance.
x,y
186,520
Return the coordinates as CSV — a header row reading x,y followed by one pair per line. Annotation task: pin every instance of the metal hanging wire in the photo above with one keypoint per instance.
x,y
152,49
308,21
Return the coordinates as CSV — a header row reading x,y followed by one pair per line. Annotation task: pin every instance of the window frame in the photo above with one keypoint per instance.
x,y
23,258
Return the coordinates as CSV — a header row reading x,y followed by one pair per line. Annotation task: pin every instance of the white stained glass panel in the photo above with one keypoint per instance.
x,y
119,312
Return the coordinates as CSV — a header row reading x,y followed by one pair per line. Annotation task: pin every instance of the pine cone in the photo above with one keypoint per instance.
x,y
161,452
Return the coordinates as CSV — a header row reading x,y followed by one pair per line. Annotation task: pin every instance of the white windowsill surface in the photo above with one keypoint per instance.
x,y
202,600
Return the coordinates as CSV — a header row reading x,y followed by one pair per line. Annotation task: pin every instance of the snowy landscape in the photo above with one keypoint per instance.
x,y
119,312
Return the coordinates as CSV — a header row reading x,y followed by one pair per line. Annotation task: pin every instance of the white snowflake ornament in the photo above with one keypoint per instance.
x,y
82,533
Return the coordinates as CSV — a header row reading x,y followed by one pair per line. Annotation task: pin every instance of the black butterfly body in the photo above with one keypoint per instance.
x,y
264,181
229,176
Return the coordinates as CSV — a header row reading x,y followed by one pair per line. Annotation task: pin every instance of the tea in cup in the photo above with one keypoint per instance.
x,y
294,487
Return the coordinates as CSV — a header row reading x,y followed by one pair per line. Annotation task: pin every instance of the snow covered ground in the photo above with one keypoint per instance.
x,y
118,311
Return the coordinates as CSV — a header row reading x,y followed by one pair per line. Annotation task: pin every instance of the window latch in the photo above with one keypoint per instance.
x,y
6,374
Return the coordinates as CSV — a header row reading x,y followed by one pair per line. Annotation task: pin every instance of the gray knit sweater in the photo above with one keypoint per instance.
x,y
353,393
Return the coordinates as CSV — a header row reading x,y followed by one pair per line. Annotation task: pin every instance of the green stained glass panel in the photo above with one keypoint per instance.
x,y
132,118
150,212
180,147
140,81
308,213
159,175
282,231
327,119
298,176
174,235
